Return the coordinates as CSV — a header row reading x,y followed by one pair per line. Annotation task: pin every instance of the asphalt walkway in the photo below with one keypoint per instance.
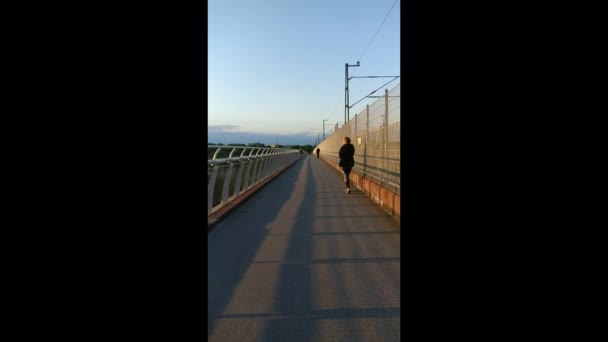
x,y
303,261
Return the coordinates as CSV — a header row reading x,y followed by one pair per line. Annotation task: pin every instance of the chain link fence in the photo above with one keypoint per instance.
x,y
375,132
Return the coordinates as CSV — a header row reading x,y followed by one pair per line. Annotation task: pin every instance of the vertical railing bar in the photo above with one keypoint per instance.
x,y
239,175
226,186
211,188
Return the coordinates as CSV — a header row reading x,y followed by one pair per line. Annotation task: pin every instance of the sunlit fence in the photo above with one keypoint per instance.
x,y
232,170
375,133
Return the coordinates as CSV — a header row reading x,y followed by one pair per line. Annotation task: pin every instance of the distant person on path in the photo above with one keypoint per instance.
x,y
347,160
318,151
300,152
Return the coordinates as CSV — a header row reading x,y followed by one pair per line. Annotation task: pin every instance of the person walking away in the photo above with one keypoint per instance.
x,y
300,152
347,161
318,151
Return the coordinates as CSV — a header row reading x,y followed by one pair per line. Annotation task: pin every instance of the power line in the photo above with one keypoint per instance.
x,y
375,90
370,42
368,45
331,114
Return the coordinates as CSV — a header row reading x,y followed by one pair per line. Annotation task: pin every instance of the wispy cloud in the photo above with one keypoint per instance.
x,y
222,127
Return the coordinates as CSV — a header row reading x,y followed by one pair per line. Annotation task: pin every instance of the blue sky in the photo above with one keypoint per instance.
x,y
276,67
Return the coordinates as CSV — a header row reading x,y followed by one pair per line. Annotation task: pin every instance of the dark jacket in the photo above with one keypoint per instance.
x,y
347,155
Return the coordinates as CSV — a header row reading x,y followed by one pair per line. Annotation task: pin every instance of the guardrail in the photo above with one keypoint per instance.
x,y
230,173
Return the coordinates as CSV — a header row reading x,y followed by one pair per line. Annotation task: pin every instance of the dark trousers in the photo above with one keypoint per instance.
x,y
347,170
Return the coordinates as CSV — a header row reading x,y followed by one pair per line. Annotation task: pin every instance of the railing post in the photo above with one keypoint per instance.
x,y
365,144
216,153
249,171
385,130
211,188
265,162
226,185
256,167
239,179
238,185
355,137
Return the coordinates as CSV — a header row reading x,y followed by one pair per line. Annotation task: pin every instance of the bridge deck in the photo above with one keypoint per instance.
x,y
303,261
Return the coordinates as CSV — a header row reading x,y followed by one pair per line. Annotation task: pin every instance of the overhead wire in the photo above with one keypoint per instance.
x,y
375,34
368,45
374,37
374,91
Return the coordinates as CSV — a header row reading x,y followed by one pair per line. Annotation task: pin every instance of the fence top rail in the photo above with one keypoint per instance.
x,y
239,146
247,153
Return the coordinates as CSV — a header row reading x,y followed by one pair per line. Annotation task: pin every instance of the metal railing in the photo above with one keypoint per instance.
x,y
231,170
375,133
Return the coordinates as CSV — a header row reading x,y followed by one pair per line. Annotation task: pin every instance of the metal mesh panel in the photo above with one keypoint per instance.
x,y
375,133
394,105
219,185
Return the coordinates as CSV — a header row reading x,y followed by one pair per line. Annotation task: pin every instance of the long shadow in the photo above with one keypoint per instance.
x,y
294,315
350,205
294,295
351,216
297,317
233,244
325,314
334,261
342,233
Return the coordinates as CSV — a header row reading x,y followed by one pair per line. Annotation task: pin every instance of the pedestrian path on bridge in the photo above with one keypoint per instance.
x,y
302,260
